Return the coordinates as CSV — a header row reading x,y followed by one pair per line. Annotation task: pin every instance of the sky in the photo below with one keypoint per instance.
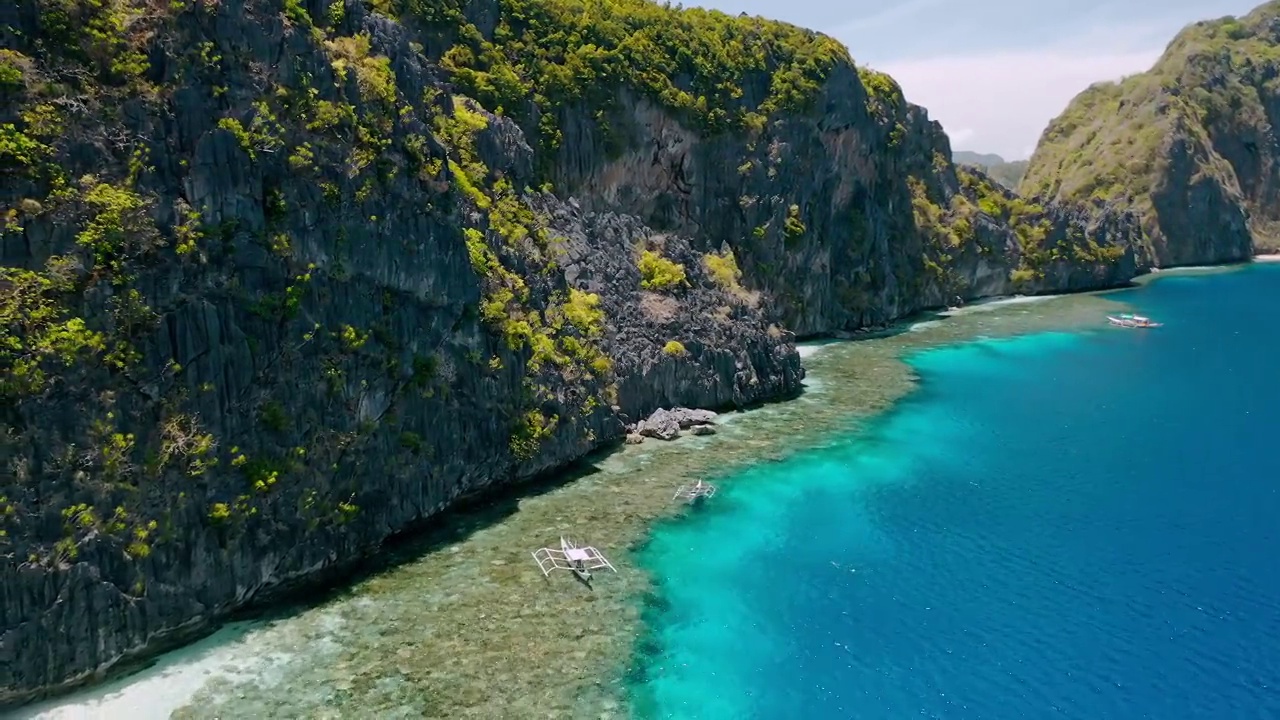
x,y
994,72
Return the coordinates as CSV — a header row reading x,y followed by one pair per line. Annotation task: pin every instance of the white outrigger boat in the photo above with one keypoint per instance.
x,y
579,560
693,493
1130,320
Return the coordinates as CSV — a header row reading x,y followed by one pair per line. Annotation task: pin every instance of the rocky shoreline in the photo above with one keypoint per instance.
x,y
666,424
402,624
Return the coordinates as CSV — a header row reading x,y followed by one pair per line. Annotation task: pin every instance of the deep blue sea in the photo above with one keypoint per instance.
x,y
1059,525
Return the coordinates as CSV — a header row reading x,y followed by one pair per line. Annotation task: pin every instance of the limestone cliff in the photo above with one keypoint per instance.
x,y
1190,146
279,279
845,216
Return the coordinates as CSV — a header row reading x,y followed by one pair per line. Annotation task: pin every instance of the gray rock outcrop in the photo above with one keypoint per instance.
x,y
666,424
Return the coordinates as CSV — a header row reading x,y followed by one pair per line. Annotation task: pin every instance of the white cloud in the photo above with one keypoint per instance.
x,y
999,101
1009,96
894,13
960,136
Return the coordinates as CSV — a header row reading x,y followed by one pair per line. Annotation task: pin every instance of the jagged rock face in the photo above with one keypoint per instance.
x,y
1044,248
738,356
858,256
1201,217
1190,145
850,264
317,370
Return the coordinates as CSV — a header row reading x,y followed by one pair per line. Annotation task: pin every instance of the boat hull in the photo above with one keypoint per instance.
x,y
1125,323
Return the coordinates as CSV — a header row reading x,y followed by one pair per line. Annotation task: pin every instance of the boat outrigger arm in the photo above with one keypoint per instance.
x,y
697,490
578,560
1130,320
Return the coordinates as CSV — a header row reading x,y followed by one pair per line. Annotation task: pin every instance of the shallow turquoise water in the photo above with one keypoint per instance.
x,y
1059,525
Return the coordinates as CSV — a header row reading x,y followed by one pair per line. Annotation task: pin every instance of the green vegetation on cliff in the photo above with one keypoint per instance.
x,y
1101,147
286,167
187,228
1032,227
122,252
983,218
1185,144
561,334
659,273
543,56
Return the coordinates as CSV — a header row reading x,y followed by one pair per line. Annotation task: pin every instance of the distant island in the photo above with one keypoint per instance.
x,y
1006,172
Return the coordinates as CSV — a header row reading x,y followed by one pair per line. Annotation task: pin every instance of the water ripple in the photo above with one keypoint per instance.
x,y
1066,525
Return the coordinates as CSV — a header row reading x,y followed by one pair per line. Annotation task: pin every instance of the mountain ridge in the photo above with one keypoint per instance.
x,y
969,157
1007,172
1188,145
